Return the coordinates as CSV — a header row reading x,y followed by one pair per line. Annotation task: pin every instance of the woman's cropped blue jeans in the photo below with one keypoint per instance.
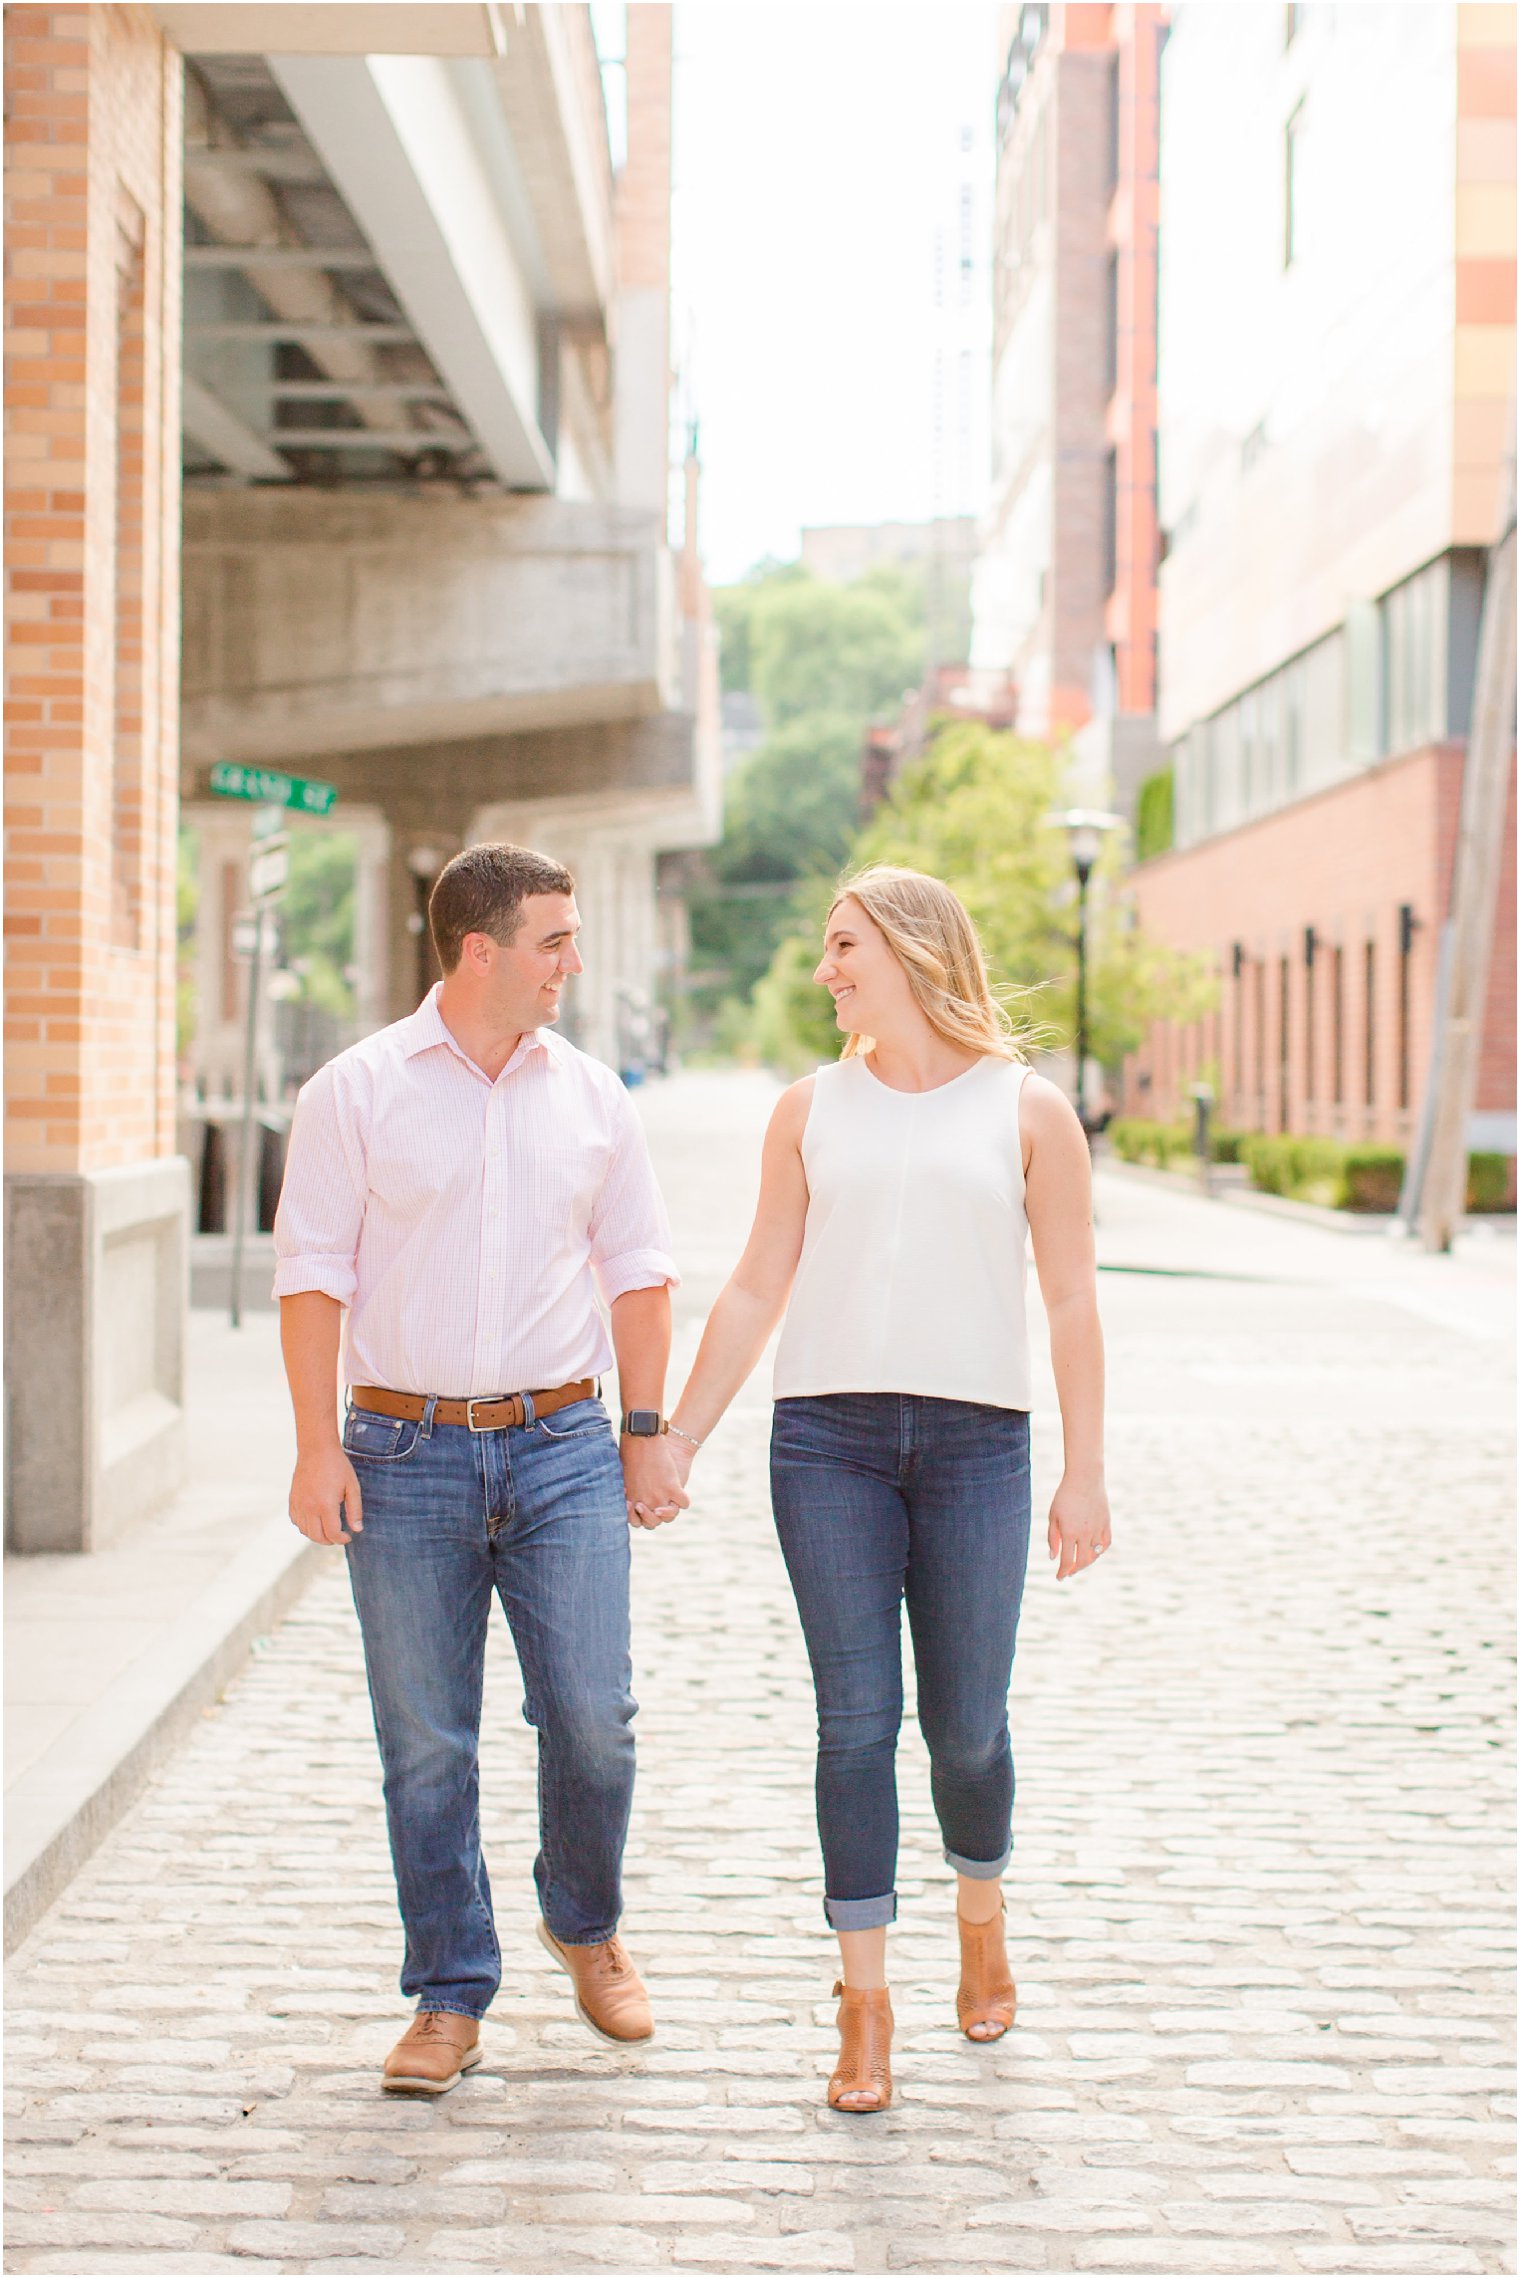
x,y
537,1517
882,1497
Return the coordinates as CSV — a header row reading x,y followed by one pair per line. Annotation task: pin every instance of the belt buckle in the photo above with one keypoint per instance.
x,y
485,1400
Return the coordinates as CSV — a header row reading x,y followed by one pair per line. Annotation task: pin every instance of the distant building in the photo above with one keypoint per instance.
x,y
1337,352
1064,591
948,693
940,551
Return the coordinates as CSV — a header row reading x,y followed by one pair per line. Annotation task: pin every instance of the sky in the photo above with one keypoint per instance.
x,y
818,156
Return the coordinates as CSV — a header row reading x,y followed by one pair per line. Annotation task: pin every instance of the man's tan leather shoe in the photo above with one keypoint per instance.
x,y
609,1993
434,2053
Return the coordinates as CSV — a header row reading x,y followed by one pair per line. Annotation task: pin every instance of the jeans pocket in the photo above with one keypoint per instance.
x,y
378,1439
582,1420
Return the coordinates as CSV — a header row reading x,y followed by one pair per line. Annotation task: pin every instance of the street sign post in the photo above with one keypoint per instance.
x,y
268,787
269,869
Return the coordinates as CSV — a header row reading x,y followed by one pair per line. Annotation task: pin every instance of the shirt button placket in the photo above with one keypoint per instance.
x,y
488,1294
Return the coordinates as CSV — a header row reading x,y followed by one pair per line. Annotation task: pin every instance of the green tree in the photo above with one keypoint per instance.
x,y
317,918
850,649
976,812
820,659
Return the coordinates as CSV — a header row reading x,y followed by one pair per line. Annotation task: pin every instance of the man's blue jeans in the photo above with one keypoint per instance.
x,y
537,1515
881,1497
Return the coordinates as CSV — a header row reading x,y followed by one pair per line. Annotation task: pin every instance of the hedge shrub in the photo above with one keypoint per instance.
x,y
1490,1182
1360,1176
1153,816
1134,1140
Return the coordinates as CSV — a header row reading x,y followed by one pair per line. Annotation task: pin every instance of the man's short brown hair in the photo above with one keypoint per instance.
x,y
483,891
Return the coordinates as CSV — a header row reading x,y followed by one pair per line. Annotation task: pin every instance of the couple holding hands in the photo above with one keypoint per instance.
x,y
459,1185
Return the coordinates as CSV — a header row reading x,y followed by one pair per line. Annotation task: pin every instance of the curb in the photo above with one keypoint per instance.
x,y
59,1810
1282,1206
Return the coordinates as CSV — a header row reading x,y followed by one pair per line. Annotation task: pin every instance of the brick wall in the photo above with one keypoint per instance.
x,y
92,286
1130,613
1079,446
1344,864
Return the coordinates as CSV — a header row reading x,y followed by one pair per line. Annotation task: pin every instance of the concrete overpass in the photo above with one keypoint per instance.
x,y
426,461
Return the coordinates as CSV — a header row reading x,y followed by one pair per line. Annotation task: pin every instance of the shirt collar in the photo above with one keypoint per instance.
x,y
426,1028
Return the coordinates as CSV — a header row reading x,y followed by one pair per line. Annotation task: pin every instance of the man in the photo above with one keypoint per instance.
x,y
454,1182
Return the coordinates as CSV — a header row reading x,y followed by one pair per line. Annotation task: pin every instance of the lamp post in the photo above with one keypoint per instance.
x,y
1085,828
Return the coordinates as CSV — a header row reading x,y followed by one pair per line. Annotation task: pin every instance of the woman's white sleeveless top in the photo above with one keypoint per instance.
x,y
913,1260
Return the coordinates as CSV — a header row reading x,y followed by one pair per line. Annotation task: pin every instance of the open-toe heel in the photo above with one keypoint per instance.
x,y
987,1995
862,2079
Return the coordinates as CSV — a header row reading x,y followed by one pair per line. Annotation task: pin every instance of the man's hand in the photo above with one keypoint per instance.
x,y
325,1502
1079,1527
654,1481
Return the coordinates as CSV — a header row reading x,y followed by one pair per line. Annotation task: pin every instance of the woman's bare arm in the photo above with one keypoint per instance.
x,y
756,1291
1058,1200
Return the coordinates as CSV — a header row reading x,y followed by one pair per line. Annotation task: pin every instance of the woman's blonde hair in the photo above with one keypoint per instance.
x,y
929,931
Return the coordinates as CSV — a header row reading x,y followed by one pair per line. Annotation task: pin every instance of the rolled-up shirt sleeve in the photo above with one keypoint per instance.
x,y
630,1229
321,1212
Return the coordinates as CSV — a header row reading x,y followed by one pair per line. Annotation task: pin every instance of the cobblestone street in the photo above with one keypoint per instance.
x,y
1258,1907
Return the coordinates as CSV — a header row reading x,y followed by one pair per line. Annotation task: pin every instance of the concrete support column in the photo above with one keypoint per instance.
x,y
372,932
96,1201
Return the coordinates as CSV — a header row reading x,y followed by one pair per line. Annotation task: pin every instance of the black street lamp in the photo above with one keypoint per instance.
x,y
1085,829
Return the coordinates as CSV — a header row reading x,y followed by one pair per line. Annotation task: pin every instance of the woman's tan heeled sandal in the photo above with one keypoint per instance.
x,y
862,2079
987,1994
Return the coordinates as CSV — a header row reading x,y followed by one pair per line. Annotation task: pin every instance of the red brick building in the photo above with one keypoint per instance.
x,y
1065,591
1337,298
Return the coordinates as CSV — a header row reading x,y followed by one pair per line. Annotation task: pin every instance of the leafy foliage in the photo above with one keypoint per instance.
x,y
820,659
976,812
1154,815
317,918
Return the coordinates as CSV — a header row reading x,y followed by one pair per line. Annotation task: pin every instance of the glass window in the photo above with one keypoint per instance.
x,y
1293,725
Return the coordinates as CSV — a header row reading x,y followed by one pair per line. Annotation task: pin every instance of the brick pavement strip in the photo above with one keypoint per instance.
x,y
1257,1908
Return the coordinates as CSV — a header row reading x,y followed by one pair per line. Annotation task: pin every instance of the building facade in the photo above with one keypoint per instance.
x,y
1335,381
343,324
1064,591
96,1198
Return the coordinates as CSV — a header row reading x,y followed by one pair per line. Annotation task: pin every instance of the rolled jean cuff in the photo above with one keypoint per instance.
x,y
861,1913
980,1870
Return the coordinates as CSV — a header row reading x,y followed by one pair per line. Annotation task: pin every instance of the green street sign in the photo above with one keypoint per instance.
x,y
267,787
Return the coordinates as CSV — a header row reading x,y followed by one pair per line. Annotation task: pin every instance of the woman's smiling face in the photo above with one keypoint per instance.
x,y
868,985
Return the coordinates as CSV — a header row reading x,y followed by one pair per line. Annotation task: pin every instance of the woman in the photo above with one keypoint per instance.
x,y
896,1190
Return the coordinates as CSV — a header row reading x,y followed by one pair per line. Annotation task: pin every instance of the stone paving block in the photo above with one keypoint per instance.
x,y
290,2241
83,2232
1008,2250
809,2250
519,2247
1413,2261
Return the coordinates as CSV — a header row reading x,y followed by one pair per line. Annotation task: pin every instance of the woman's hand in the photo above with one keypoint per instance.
x,y
1079,1528
675,1459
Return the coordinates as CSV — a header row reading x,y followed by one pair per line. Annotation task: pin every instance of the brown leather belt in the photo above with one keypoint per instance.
x,y
497,1412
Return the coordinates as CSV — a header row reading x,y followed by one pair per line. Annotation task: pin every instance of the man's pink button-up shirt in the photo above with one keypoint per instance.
x,y
461,1221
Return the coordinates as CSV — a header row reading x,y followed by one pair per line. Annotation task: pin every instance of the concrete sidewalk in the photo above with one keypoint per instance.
x,y
109,1658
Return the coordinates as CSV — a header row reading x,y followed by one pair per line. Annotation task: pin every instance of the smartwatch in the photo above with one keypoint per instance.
x,y
643,1423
